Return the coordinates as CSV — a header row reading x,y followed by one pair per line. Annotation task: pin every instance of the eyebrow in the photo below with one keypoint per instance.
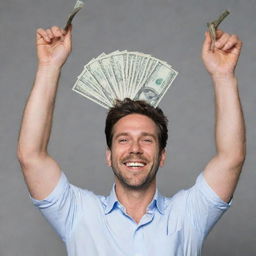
x,y
148,134
121,134
142,134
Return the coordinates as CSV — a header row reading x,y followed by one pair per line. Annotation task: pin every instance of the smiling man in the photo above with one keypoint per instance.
x,y
134,150
135,219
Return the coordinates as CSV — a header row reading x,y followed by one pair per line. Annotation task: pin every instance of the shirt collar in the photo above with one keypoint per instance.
x,y
158,202
111,201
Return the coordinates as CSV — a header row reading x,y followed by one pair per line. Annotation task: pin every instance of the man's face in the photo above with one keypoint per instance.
x,y
134,156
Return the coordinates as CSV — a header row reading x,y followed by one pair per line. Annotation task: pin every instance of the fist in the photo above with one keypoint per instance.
x,y
223,58
53,45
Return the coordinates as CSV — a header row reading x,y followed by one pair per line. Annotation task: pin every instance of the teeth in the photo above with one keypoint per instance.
x,y
135,164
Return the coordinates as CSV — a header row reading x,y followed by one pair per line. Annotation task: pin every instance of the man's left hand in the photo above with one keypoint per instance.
x,y
222,60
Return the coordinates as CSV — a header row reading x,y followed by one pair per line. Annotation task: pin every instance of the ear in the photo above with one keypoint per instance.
x,y
108,157
162,158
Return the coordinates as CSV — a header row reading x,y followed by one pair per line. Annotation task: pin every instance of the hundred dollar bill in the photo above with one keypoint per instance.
x,y
157,84
78,6
108,71
141,74
87,93
118,67
99,76
151,65
81,86
113,68
90,82
137,66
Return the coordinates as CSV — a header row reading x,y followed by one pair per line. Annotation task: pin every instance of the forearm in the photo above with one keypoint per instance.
x,y
230,129
37,117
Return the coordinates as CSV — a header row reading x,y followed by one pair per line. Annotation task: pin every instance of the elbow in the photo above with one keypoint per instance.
x,y
235,160
27,157
241,155
24,157
238,161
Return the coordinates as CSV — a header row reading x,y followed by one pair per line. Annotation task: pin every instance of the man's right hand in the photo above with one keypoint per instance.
x,y
53,46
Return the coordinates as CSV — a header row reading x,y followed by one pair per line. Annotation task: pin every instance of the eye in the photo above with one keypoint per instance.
x,y
122,140
148,140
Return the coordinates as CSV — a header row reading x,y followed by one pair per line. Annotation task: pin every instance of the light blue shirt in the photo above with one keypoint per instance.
x,y
93,225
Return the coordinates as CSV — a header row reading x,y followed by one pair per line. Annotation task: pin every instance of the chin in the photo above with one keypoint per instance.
x,y
136,185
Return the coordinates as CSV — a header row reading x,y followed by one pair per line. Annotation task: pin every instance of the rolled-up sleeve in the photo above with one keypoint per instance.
x,y
60,207
204,206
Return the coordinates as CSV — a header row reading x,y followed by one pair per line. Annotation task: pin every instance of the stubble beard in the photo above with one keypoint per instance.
x,y
145,182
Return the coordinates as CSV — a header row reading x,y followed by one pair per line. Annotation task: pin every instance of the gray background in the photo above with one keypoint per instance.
x,y
171,30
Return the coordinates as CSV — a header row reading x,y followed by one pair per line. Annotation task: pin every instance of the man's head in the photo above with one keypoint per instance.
x,y
127,107
136,135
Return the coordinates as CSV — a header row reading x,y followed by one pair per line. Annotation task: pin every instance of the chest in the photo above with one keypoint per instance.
x,y
118,234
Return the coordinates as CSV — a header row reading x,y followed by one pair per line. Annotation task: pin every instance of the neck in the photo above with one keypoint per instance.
x,y
135,201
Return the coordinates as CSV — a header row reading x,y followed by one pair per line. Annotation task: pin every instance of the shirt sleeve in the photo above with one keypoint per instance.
x,y
204,206
60,206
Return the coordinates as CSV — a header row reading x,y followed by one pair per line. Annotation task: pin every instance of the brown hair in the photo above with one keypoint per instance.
x,y
127,107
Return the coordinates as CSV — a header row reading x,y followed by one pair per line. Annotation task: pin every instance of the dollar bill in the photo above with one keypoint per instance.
x,y
212,27
99,76
118,67
78,6
82,90
110,75
151,65
90,82
157,84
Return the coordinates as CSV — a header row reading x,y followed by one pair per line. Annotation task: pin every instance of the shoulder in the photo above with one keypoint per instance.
x,y
66,193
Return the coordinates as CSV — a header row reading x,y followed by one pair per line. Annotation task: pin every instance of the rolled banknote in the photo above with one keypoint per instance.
x,y
78,6
212,26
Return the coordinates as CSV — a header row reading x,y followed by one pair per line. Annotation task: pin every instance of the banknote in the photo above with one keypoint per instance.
x,y
124,74
156,85
84,91
78,6
212,26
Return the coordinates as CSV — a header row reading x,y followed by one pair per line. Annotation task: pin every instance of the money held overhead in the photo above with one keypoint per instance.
x,y
124,74
78,6
212,26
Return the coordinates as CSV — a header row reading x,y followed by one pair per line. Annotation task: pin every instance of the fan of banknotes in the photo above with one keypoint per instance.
x,y
124,74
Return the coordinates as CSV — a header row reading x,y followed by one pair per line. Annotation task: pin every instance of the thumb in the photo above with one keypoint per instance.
x,y
68,36
207,43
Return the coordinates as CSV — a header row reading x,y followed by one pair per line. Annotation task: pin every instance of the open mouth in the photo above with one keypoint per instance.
x,y
135,164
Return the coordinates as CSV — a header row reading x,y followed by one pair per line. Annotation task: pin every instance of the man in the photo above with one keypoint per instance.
x,y
134,219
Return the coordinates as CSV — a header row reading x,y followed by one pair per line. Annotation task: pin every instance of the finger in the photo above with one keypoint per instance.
x,y
207,42
49,33
222,40
237,48
219,33
42,34
232,42
57,32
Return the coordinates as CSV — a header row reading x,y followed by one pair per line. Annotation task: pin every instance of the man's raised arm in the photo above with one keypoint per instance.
x,y
41,172
222,172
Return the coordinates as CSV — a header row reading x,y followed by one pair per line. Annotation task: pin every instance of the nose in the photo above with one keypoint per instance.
x,y
136,148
